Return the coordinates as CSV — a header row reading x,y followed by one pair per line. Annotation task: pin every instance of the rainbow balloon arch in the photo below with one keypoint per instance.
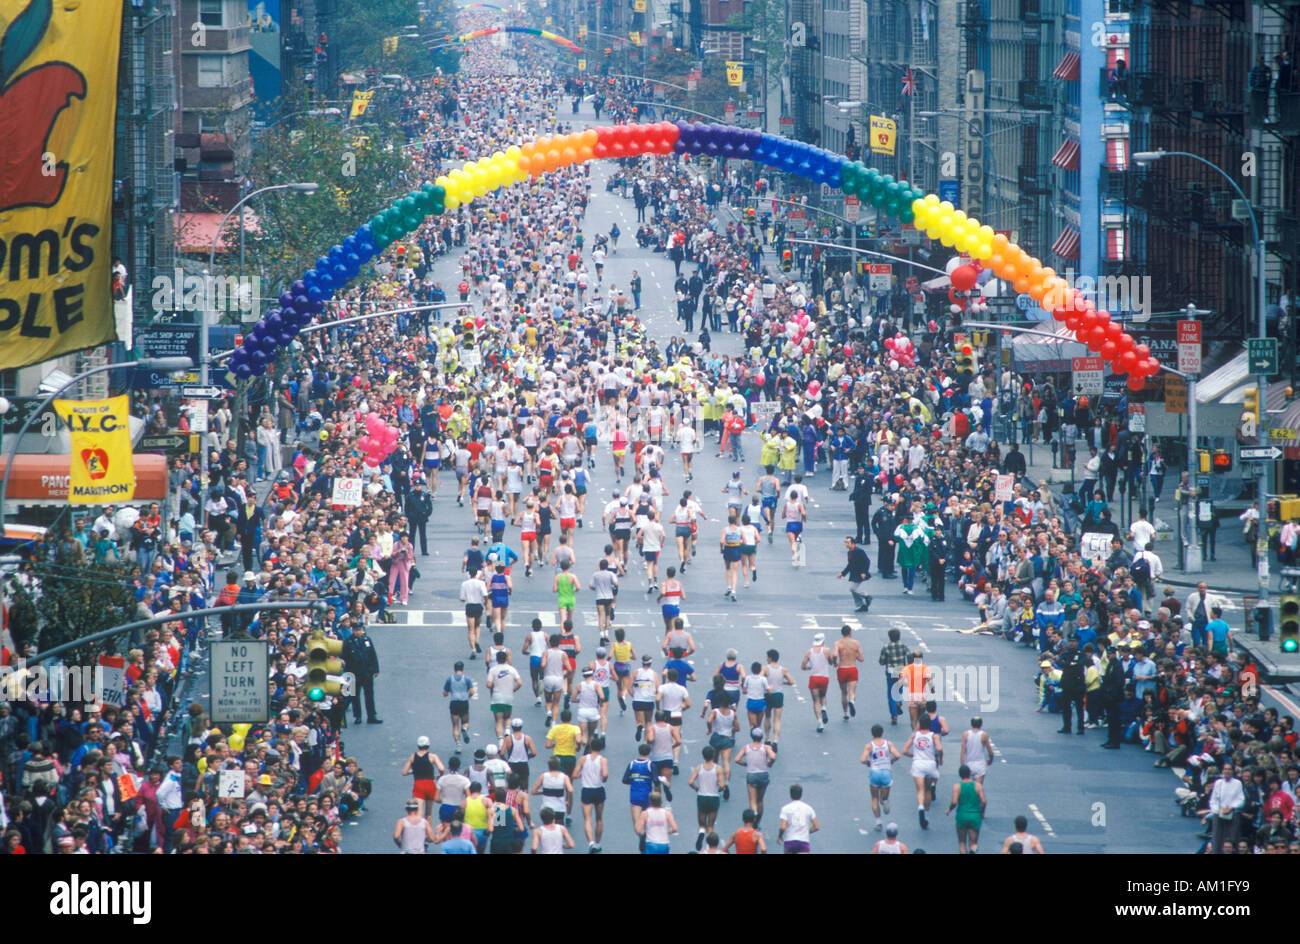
x,y
523,30
939,220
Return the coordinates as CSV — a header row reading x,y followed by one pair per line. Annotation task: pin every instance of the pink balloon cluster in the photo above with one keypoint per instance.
x,y
901,351
796,330
378,442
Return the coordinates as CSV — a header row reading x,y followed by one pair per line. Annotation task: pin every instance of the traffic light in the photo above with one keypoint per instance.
x,y
1289,628
966,362
785,260
1250,404
1203,461
323,668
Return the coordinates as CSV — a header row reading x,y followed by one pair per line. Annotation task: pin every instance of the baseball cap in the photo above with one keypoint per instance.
x,y
422,741
646,659
491,750
819,639
517,723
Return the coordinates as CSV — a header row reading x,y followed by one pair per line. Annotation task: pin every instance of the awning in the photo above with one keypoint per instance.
x,y
1067,68
43,480
1067,244
1217,386
936,284
1284,427
1117,153
1067,155
196,230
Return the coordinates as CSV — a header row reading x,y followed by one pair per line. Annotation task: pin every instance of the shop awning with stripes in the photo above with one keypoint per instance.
x,y
1117,153
1068,68
1067,244
1067,155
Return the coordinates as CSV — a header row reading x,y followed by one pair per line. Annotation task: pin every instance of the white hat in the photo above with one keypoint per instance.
x,y
491,750
819,639
422,741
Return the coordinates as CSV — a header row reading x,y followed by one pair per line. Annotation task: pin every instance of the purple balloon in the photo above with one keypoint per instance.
x,y
299,287
286,299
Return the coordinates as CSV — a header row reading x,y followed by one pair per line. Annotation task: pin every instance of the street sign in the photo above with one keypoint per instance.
x,y
950,190
202,393
881,275
1137,418
172,443
1248,453
1088,375
852,208
1261,353
1175,395
1189,347
237,670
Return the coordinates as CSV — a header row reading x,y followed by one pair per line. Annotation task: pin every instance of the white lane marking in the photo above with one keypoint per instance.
x,y
1042,820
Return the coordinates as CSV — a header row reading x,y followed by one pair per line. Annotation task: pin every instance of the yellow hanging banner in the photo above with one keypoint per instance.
x,y
101,469
735,74
582,65
390,45
638,6
636,38
582,32
883,134
360,102
58,102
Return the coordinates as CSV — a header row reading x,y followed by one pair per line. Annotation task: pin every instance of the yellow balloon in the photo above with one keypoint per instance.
x,y
236,742
451,201
947,206
919,206
986,233
959,215
466,195
480,179
945,222
509,170
513,152
970,243
493,174
242,729
946,237
498,156
983,251
932,199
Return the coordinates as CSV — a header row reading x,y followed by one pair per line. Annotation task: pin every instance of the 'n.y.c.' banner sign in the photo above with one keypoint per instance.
x,y
58,101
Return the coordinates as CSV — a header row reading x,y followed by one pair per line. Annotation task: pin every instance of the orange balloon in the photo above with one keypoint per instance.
x,y
1036,275
569,156
997,262
525,161
552,159
589,137
1021,285
999,242
585,153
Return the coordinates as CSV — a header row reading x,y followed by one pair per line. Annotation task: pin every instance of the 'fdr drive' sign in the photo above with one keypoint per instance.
x,y
239,683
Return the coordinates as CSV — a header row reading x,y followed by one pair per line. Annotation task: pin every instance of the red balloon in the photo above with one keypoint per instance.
x,y
1062,314
1136,382
1152,367
1108,351
1142,352
1074,323
1095,338
1125,342
1103,318
1125,363
1113,332
1089,321
963,278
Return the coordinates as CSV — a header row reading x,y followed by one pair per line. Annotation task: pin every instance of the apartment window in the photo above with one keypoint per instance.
x,y
212,73
212,12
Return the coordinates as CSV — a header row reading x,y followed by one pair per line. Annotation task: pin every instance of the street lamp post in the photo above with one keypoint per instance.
x,y
1143,158
205,325
164,364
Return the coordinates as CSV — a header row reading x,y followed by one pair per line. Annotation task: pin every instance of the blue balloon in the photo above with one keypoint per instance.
x,y
258,369
683,136
299,287
367,248
274,320
285,299
292,330
340,274
283,338
349,244
323,264
364,233
316,307
239,356
243,371
258,359
326,281
351,260
315,294
336,252
259,329
301,303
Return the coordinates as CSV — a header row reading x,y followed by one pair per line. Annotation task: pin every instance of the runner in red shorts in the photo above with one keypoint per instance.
x,y
848,653
425,766
818,661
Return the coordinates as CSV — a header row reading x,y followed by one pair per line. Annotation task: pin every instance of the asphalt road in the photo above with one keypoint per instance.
x,y
1078,798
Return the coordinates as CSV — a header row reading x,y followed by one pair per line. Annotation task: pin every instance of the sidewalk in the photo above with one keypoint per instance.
x,y
1230,573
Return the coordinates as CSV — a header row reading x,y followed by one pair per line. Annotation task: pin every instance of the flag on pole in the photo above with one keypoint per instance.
x,y
909,82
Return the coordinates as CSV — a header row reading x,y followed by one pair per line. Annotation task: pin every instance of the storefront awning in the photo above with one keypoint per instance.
x,y
43,480
1067,244
1068,68
1067,155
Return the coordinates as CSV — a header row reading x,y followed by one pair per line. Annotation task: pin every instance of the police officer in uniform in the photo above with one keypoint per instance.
x,y
939,555
883,522
361,659
419,509
861,498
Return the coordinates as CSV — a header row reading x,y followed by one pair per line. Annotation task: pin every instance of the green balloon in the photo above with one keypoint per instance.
x,y
438,193
906,216
438,209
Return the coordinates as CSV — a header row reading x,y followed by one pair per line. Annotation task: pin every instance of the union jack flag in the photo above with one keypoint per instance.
x,y
909,82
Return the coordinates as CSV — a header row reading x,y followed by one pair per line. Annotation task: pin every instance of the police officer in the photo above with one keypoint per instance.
x,y
861,498
1072,664
361,659
883,522
939,555
419,508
